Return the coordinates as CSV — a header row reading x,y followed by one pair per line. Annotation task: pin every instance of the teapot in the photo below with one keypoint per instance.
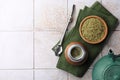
x,y
107,68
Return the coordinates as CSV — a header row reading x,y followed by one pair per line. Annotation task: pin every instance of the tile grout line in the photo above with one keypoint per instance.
x,y
16,31
45,68
67,11
17,69
33,40
100,1
67,76
31,69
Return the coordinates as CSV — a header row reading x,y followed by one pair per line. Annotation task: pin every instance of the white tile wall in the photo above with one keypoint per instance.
x,y
30,28
16,50
53,74
50,15
44,56
16,75
16,15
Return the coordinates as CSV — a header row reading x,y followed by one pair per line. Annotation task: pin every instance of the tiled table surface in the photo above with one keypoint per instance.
x,y
30,28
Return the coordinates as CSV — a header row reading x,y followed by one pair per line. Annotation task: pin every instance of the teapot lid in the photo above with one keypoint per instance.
x,y
112,73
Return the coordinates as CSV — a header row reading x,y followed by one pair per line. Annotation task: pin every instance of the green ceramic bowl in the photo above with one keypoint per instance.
x,y
107,68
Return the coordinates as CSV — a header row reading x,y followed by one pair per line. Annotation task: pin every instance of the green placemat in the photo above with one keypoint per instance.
x,y
93,50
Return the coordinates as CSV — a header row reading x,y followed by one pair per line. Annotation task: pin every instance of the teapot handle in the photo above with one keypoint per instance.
x,y
111,53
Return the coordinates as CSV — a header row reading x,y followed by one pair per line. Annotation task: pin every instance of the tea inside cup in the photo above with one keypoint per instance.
x,y
75,53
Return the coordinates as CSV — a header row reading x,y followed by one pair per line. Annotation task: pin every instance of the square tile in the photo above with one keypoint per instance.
x,y
16,15
52,74
16,50
87,76
113,44
114,7
50,15
16,75
44,56
79,4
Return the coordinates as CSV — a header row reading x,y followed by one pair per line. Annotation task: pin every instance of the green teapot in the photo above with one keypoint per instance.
x,y
107,68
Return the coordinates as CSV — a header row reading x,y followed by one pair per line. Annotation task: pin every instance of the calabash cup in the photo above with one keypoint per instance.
x,y
75,53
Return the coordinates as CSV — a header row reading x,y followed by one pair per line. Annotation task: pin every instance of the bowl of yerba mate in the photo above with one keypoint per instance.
x,y
93,29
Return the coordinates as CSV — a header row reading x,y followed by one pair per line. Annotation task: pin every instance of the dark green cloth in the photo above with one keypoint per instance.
x,y
74,36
